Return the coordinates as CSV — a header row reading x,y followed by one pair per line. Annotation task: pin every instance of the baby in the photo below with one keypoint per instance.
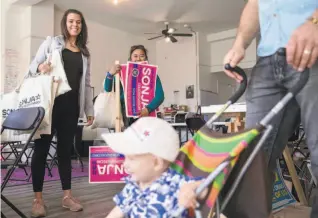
x,y
152,189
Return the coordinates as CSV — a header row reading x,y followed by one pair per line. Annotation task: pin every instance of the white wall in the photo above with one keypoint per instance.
x,y
107,45
215,86
12,48
208,84
221,43
177,69
26,27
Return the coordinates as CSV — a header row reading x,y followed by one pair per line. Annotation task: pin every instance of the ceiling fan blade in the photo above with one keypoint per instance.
x,y
164,32
173,40
182,34
156,37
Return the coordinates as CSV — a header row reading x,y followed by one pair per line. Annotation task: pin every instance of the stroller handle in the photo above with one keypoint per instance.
x,y
304,76
243,84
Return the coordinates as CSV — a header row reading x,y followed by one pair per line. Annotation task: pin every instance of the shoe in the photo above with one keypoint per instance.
x,y
38,209
72,204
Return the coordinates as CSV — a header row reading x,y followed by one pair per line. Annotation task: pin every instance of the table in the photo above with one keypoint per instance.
x,y
236,111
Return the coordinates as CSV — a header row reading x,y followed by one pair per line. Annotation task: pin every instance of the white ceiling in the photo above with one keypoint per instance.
x,y
139,16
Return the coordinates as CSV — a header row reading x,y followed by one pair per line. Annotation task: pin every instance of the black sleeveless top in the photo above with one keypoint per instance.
x,y
68,103
73,66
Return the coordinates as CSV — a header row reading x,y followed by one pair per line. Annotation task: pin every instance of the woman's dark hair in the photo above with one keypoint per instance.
x,y
135,47
81,40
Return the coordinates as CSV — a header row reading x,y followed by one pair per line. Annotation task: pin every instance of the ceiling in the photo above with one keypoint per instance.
x,y
139,16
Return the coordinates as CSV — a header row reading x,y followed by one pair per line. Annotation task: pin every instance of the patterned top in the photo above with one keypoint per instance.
x,y
279,19
158,200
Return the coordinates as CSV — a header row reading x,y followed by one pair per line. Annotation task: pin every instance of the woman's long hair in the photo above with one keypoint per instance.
x,y
81,39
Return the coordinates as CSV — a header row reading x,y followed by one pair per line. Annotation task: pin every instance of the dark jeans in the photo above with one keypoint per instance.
x,y
64,123
270,80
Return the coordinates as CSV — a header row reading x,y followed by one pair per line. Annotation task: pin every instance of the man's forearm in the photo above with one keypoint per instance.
x,y
315,14
249,25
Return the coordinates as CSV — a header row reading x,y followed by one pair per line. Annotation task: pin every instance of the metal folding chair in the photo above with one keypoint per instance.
x,y
195,121
9,156
25,119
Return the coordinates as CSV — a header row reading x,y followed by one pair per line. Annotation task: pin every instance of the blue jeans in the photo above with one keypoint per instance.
x,y
269,82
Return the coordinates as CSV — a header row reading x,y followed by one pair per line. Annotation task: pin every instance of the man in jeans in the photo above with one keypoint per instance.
x,y
290,24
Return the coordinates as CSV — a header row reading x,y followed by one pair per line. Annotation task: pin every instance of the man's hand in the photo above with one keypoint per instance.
x,y
302,48
233,57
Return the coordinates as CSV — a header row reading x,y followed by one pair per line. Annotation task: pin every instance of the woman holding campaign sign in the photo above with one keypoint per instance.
x,y
141,91
71,48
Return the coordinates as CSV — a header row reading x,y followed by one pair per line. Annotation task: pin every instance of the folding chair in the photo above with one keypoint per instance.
x,y
227,160
195,121
8,160
24,119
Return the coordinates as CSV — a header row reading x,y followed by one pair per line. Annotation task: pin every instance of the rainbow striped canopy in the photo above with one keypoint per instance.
x,y
201,155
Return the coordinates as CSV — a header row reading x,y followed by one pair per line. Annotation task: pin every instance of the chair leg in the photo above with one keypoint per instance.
x,y
3,216
79,158
29,177
49,170
82,165
25,171
13,207
11,170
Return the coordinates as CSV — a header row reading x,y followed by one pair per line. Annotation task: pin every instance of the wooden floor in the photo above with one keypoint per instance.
x,y
96,199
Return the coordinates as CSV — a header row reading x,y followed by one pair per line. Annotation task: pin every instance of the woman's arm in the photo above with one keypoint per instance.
x,y
40,56
108,85
116,213
159,97
89,107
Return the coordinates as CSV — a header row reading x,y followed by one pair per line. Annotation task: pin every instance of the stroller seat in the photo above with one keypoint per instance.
x,y
232,163
207,150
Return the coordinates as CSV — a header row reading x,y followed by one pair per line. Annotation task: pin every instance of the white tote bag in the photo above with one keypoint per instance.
x,y
39,91
9,103
105,110
59,73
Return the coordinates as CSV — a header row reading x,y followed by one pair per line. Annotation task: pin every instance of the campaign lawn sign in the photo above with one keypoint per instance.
x,y
140,87
105,165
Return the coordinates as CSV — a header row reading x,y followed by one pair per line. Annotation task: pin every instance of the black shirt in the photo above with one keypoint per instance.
x,y
67,105
73,66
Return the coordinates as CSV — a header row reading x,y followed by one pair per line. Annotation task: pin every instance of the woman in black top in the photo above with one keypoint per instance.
x,y
67,107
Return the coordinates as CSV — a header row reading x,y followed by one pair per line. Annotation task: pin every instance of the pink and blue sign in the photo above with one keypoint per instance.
x,y
105,165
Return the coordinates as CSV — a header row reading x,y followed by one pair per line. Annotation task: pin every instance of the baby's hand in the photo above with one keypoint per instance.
x,y
187,196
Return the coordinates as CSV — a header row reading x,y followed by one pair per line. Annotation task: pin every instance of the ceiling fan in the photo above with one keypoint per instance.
x,y
169,34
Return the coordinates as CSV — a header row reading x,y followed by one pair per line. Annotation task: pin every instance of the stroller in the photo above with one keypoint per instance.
x,y
232,163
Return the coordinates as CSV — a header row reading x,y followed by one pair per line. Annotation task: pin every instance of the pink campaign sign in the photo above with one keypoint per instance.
x,y
140,87
123,73
105,165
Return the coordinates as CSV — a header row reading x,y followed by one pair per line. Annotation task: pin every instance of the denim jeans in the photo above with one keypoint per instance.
x,y
269,82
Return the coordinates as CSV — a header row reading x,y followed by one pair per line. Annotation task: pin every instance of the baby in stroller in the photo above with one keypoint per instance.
x,y
150,145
